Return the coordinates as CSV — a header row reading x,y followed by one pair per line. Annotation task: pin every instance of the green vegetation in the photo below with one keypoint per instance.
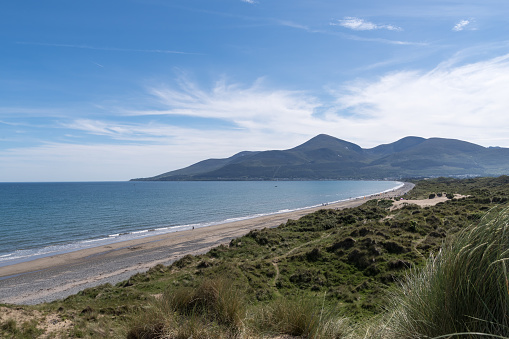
x,y
463,288
27,330
326,157
365,272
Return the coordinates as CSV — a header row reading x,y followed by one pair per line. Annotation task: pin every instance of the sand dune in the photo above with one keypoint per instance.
x,y
59,276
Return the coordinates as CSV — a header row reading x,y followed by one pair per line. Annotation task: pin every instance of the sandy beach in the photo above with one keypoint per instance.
x,y
59,276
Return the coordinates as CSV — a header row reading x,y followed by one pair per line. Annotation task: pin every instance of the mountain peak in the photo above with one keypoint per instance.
x,y
397,146
327,141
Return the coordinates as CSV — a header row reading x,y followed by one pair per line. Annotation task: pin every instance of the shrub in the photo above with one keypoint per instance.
x,y
216,299
146,328
9,326
302,317
464,288
184,261
214,309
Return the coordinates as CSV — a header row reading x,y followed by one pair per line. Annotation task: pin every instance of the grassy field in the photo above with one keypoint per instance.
x,y
366,272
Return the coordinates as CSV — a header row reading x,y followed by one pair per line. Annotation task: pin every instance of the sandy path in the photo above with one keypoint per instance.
x,y
59,276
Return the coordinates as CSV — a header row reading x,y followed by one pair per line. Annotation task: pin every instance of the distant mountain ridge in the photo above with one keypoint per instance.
x,y
326,157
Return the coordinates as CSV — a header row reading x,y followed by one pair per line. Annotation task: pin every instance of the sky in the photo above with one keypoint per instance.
x,y
111,90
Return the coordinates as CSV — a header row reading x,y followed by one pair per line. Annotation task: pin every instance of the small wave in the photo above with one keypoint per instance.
x,y
94,240
138,232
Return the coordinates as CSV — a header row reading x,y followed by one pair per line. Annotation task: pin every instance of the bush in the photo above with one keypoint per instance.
x,y
10,326
464,288
214,309
216,299
302,317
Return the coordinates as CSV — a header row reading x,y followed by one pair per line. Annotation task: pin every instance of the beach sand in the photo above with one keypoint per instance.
x,y
59,276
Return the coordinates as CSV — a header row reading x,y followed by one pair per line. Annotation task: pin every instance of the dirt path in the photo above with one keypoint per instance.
x,y
278,259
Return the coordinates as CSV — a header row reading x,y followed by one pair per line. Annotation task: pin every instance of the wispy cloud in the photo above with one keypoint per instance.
x,y
358,24
471,96
346,36
385,41
113,49
249,1
468,102
460,101
294,25
252,107
12,123
117,130
464,25
463,101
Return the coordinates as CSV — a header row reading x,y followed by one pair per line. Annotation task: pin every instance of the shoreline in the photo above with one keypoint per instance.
x,y
17,256
107,238
58,276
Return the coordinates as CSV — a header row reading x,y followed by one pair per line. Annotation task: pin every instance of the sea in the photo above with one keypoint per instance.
x,y
44,219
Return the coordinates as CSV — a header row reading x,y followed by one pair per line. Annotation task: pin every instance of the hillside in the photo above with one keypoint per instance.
x,y
326,157
326,275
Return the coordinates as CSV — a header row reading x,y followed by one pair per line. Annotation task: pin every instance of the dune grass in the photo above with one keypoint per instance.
x,y
216,309
302,317
463,291
212,310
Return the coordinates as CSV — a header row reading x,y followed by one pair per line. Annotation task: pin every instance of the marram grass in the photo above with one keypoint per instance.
x,y
301,318
463,292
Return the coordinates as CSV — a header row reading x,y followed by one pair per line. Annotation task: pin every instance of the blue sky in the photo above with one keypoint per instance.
x,y
111,90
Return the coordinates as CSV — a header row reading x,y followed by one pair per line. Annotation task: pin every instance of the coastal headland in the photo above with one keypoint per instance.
x,y
59,276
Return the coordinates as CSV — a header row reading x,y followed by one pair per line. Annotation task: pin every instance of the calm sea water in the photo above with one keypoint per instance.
x,y
42,219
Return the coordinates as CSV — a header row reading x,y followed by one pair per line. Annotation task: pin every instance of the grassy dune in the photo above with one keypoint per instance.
x,y
463,288
366,272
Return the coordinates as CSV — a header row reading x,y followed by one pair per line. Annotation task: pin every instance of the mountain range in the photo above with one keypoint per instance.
x,y
326,157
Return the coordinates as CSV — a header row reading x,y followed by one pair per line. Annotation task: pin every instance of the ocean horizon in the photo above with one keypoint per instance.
x,y
44,219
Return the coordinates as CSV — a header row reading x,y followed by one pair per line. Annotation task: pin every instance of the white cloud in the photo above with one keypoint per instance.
x,y
147,132
292,24
460,25
249,1
351,36
358,24
464,25
467,102
254,107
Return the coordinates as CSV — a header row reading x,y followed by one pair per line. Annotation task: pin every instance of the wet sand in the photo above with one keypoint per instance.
x,y
59,276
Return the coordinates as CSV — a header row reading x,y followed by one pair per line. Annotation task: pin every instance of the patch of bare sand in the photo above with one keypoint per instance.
x,y
423,202
51,324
